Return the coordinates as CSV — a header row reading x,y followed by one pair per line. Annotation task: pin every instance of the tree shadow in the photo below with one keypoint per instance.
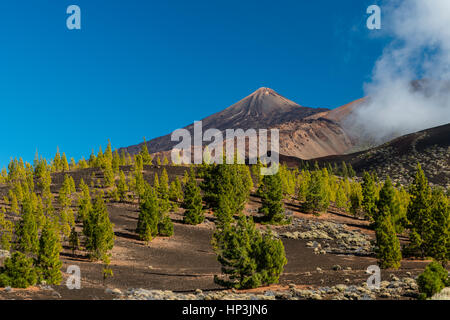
x,y
131,236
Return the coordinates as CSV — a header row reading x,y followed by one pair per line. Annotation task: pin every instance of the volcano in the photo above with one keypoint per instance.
x,y
304,132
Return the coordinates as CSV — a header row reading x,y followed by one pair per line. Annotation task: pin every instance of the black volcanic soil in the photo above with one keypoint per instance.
x,y
186,262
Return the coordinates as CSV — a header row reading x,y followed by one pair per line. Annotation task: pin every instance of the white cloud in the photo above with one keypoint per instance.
x,y
420,49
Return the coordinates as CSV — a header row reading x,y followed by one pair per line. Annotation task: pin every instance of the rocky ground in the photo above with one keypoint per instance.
x,y
329,237
394,289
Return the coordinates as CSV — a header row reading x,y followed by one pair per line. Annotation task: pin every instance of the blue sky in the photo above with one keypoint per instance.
x,y
144,68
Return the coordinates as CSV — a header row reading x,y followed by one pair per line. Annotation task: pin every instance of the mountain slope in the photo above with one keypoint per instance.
x,y
301,135
399,157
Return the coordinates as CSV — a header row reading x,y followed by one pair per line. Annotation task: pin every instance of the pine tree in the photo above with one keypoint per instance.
x,y
122,187
165,161
419,213
163,192
14,203
92,159
156,182
108,153
6,231
108,174
146,158
227,179
272,199
341,197
439,247
74,241
344,172
64,163
176,193
57,161
369,195
303,181
98,230
82,164
317,195
138,177
48,262
248,259
26,230
356,199
84,202
388,246
192,202
115,162
147,226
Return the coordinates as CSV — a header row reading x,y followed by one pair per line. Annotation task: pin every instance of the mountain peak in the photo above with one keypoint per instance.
x,y
264,91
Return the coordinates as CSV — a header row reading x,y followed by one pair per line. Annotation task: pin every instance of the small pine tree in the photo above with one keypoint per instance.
x,y
272,199
26,230
419,214
98,230
74,241
147,226
84,202
115,162
388,246
341,197
356,199
48,262
439,247
317,199
192,202
176,191
108,174
369,195
6,231
303,181
122,187
64,163
146,158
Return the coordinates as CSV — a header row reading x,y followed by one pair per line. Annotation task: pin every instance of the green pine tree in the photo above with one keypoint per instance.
x,y
26,230
419,214
146,157
98,230
6,231
317,197
74,241
388,246
192,202
48,262
369,195
122,187
439,247
272,199
147,226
